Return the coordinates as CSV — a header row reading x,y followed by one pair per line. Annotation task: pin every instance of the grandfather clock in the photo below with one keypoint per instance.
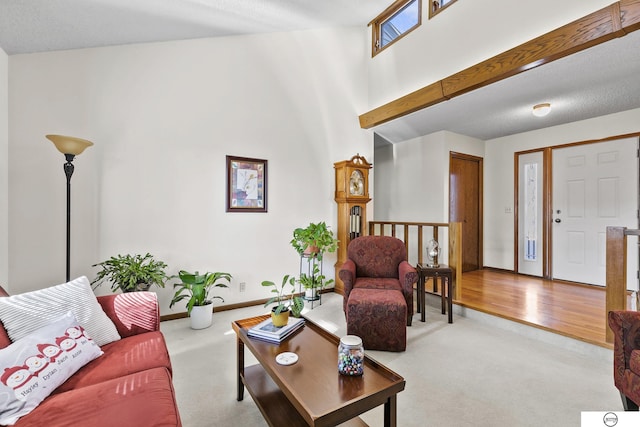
x,y
352,196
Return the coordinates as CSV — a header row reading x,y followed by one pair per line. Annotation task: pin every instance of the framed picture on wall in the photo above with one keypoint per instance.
x,y
246,184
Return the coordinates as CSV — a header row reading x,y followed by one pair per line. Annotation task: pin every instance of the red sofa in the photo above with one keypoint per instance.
x,y
129,385
626,356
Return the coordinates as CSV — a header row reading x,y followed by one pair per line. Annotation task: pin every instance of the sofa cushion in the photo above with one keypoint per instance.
x,y
21,314
37,364
145,398
378,283
132,312
4,338
126,356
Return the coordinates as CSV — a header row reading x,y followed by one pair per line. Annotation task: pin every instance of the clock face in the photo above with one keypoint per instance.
x,y
356,183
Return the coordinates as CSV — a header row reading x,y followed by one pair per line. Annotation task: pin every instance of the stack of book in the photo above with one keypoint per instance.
x,y
275,334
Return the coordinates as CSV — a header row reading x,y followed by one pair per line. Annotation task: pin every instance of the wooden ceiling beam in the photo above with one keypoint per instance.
x,y
613,21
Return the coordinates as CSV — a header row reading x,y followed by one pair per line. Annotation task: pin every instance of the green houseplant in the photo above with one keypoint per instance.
x,y
284,300
313,282
196,288
314,240
131,273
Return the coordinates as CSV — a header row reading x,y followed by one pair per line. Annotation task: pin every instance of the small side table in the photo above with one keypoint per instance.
x,y
445,274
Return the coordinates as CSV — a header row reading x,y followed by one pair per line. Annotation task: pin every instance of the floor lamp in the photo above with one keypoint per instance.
x,y
70,147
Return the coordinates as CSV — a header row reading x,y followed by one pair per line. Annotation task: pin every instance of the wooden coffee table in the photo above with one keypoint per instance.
x,y
311,392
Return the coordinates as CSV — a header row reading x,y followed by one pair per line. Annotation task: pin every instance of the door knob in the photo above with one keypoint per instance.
x,y
558,220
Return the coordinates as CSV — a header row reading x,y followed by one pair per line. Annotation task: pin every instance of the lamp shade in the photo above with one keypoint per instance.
x,y
69,144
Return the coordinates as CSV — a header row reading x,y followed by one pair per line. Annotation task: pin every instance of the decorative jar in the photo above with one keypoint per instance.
x,y
351,356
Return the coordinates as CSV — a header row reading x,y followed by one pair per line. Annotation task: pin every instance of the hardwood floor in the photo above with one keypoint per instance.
x,y
569,309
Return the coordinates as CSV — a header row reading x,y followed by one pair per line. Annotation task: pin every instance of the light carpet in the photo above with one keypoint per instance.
x,y
469,373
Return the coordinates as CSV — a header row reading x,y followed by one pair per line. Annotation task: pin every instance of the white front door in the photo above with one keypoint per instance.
x,y
594,186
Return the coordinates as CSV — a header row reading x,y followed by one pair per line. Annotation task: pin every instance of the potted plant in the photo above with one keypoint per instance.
x,y
284,301
314,240
131,273
197,287
314,282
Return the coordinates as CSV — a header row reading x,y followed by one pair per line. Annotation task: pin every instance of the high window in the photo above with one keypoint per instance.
x,y
395,22
437,6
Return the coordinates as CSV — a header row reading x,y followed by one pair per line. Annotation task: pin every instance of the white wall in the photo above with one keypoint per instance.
x,y
162,117
499,180
412,181
412,177
4,166
466,33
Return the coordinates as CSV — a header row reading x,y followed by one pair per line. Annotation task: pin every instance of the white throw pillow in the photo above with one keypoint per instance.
x,y
22,314
34,366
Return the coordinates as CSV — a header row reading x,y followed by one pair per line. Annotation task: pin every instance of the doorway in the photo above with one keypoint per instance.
x,y
566,197
594,186
465,205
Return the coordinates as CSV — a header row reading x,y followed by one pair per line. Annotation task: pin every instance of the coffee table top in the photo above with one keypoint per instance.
x,y
313,384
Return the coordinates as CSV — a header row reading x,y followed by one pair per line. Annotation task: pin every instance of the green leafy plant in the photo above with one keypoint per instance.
x,y
131,273
315,237
315,279
282,299
196,287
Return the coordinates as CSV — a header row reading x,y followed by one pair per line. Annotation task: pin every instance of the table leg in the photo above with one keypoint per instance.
x,y
450,297
391,412
240,350
422,300
442,295
418,293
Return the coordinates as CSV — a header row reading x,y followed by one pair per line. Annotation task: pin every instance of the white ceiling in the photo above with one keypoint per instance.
x,y
601,80
28,26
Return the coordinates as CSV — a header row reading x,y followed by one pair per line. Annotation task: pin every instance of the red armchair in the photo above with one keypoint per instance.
x,y
378,291
626,356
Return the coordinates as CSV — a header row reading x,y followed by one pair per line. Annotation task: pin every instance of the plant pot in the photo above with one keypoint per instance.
x,y
311,251
280,319
311,294
201,316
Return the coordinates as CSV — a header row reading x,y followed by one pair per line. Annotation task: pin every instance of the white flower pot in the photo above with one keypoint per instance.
x,y
201,316
311,294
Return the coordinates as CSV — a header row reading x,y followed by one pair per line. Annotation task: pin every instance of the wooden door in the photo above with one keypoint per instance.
x,y
594,186
465,205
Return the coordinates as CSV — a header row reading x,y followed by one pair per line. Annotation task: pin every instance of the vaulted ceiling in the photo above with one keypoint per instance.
x,y
594,82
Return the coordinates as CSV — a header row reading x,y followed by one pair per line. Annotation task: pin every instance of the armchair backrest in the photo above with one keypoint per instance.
x,y
377,256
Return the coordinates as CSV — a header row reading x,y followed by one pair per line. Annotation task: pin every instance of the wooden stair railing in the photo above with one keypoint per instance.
x,y
616,272
410,232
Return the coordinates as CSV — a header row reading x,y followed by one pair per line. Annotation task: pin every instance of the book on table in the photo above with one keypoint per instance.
x,y
265,330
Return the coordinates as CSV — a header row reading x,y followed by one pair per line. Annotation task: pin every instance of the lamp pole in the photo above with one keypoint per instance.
x,y
68,171
70,147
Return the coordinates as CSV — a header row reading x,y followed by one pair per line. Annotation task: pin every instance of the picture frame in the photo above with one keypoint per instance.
x,y
246,184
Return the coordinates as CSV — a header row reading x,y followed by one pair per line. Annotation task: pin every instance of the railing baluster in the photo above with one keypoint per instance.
x,y
452,245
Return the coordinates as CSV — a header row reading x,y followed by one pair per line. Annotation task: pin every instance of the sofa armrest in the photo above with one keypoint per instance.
x,y
132,312
626,338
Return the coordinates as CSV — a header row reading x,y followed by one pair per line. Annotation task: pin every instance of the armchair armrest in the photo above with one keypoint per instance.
x,y
347,274
626,331
132,312
408,276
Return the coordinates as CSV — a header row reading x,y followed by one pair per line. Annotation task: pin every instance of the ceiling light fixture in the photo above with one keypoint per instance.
x,y
541,110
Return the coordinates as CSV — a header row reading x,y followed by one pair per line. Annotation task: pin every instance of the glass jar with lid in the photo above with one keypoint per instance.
x,y
351,355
